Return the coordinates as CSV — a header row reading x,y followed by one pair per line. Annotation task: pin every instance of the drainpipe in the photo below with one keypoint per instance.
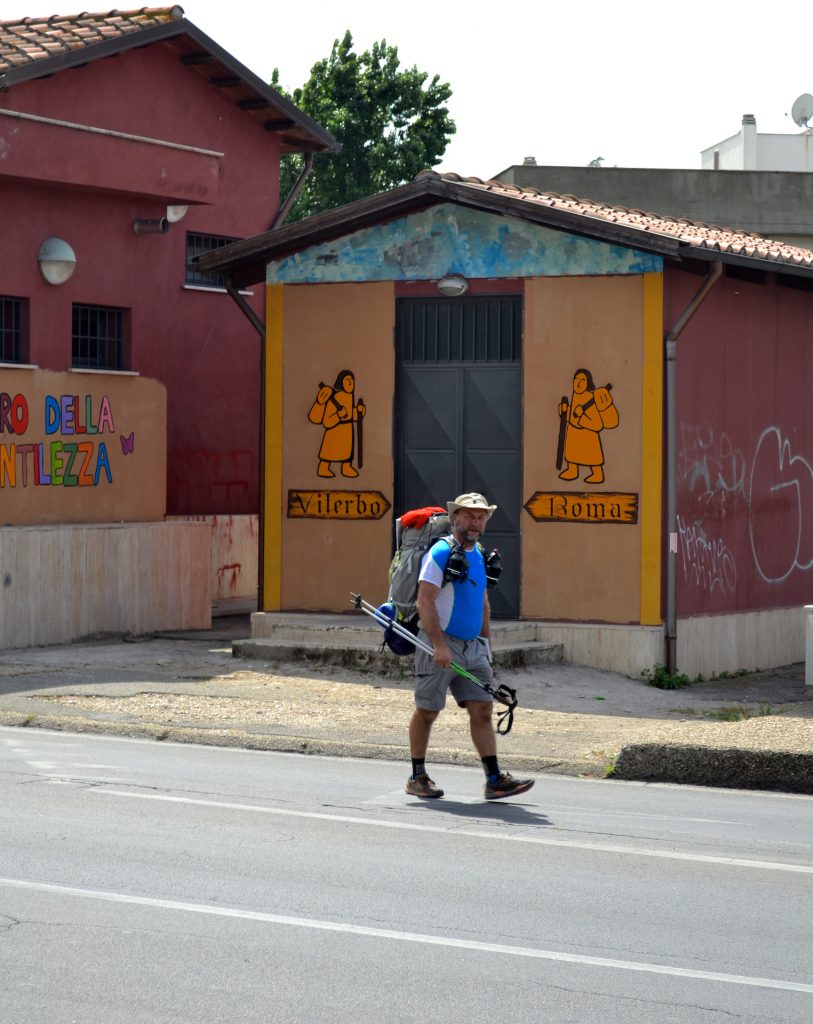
x,y
670,345
259,326
283,211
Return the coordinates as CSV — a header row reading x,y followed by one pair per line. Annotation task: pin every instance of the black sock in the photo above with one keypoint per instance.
x,y
418,767
491,767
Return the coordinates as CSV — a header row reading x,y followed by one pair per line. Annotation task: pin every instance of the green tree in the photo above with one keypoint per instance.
x,y
391,124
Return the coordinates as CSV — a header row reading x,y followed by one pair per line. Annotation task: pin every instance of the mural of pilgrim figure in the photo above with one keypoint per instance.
x,y
335,410
589,411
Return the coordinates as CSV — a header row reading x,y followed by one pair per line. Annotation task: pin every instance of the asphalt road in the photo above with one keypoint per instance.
x,y
157,882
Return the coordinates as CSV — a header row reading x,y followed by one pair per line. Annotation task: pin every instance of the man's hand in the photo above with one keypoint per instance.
x,y
443,656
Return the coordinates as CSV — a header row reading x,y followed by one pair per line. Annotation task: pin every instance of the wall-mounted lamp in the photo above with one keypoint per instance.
x,y
57,260
151,226
176,213
452,286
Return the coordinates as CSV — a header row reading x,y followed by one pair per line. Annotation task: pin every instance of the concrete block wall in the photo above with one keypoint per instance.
x,y
749,640
629,650
234,564
62,583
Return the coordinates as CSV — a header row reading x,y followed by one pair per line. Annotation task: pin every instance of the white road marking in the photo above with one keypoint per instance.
x,y
573,809
386,933
60,777
469,833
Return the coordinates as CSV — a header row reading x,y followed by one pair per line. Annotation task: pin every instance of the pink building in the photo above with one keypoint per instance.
x,y
111,125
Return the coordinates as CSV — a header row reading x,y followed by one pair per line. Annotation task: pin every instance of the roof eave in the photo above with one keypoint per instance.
x,y
245,261
699,252
322,140
78,56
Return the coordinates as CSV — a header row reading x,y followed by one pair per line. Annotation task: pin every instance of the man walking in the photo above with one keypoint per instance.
x,y
454,613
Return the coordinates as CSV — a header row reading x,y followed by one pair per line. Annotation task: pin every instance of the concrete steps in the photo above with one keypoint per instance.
x,y
355,641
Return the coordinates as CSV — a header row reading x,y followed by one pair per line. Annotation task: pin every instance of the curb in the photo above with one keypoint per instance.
x,y
681,764
214,737
716,766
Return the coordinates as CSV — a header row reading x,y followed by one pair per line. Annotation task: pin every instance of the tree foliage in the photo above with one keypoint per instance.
x,y
391,124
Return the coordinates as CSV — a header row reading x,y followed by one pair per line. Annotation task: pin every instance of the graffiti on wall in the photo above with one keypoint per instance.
x,y
783,480
341,417
713,470
707,562
774,489
582,418
75,456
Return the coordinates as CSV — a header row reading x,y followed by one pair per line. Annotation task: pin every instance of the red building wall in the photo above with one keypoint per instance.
x,y
745,446
198,343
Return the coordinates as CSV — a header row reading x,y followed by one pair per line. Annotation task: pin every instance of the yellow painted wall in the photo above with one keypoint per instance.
x,y
591,571
326,329
101,439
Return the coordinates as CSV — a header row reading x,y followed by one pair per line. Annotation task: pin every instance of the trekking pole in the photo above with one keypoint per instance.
x,y
503,694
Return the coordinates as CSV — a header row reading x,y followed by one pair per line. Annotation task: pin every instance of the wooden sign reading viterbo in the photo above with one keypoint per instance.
x,y
337,505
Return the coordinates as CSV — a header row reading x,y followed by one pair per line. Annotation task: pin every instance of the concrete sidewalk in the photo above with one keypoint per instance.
x,y
751,731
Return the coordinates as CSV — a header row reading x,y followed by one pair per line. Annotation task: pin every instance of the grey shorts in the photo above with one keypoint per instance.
x,y
431,682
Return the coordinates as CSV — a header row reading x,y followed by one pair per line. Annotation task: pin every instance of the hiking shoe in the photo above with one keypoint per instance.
x,y
424,787
507,785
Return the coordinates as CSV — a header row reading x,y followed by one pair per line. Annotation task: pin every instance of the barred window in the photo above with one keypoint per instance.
x,y
197,245
11,329
98,337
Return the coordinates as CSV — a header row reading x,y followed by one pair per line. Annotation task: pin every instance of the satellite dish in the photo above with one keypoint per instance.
x,y
802,109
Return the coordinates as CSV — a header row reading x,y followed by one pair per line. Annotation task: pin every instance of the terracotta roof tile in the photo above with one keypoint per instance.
x,y
32,39
695,233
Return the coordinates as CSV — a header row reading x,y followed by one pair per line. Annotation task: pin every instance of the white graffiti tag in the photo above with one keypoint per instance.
x,y
709,563
780,508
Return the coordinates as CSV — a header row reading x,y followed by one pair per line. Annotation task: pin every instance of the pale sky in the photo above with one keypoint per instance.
x,y
637,82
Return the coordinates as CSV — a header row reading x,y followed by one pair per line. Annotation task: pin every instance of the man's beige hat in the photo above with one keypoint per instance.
x,y
471,500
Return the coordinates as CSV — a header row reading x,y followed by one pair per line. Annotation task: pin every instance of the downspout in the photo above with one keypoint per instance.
x,y
670,345
283,211
259,326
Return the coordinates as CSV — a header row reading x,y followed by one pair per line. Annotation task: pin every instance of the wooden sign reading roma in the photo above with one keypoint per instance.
x,y
583,507
337,505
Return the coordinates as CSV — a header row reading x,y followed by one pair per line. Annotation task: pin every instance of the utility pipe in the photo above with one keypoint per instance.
x,y
670,345
283,211
259,326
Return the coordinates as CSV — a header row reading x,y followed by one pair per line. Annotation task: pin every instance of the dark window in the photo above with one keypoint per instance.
x,y
11,329
197,245
481,329
98,338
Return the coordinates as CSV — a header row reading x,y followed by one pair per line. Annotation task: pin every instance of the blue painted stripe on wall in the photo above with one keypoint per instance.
x,y
451,239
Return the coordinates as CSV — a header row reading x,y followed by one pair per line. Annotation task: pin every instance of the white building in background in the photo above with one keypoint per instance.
x,y
750,151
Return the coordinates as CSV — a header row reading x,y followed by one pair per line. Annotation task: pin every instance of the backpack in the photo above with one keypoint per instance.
x,y
415,533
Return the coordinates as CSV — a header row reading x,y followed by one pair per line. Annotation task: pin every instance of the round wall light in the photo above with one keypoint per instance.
x,y
176,213
452,287
57,260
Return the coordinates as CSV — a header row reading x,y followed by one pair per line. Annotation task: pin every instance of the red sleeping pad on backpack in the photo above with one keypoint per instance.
x,y
420,516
